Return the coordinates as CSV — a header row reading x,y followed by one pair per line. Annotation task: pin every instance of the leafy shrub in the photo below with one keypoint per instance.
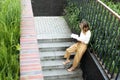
x,y
113,5
71,14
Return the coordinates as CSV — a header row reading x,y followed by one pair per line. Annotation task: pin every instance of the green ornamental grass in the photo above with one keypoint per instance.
x,y
10,14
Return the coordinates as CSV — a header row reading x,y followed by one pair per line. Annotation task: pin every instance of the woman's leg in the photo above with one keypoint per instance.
x,y
69,50
80,51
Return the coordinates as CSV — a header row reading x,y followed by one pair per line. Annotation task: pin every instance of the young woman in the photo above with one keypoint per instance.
x,y
79,47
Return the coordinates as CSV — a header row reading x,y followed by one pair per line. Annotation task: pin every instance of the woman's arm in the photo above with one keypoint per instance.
x,y
87,38
84,38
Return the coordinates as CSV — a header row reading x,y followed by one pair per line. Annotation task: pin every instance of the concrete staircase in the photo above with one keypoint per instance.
x,y
52,48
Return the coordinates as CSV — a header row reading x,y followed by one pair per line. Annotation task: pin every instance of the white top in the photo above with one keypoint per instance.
x,y
85,38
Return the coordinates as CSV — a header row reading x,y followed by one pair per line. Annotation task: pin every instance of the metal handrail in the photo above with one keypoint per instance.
x,y
108,8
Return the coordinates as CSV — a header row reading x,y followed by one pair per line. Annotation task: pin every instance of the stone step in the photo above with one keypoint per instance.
x,y
78,78
54,46
62,74
45,38
55,64
53,55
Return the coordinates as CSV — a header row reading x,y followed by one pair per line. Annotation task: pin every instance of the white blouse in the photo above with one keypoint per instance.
x,y
84,37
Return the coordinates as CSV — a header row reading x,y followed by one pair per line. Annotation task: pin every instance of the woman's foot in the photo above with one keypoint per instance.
x,y
67,61
71,69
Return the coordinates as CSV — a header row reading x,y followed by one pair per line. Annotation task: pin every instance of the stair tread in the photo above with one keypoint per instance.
x,y
52,63
74,78
62,72
53,54
78,78
51,45
53,36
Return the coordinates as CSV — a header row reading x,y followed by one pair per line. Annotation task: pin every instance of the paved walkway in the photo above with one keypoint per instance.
x,y
51,27
30,65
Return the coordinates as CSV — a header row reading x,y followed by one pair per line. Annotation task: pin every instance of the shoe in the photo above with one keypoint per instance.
x,y
71,69
67,61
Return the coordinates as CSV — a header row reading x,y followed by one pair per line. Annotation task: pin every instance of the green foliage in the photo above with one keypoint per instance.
x,y
113,5
10,14
71,13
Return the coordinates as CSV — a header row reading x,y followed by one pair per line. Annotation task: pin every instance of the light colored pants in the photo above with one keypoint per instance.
x,y
80,49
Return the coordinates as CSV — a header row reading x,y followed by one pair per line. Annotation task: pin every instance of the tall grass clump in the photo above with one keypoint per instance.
x,y
10,14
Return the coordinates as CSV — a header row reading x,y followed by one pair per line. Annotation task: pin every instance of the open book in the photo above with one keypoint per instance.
x,y
75,36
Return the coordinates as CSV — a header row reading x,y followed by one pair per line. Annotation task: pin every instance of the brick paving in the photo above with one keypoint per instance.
x,y
30,65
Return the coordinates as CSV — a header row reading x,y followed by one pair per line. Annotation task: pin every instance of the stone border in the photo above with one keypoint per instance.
x,y
30,67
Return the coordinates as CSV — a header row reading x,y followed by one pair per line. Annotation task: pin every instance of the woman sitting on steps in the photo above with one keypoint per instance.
x,y
79,47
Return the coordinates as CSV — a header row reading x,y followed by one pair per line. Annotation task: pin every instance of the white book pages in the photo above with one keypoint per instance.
x,y
75,36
